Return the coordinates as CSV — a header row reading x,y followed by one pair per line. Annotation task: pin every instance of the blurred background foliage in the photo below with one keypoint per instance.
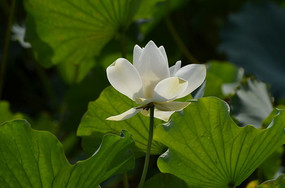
x,y
50,84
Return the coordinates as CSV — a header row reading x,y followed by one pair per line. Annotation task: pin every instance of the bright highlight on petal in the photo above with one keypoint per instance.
x,y
169,89
126,115
124,77
149,81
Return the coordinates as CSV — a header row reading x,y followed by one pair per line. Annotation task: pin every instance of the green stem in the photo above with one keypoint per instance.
x,y
150,136
180,42
6,46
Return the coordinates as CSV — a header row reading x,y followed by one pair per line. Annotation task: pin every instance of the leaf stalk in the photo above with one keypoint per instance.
x,y
147,156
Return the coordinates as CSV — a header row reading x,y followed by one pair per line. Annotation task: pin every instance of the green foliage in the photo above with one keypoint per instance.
x,y
6,114
277,183
94,124
164,180
207,149
81,30
222,78
32,158
272,164
74,41
72,33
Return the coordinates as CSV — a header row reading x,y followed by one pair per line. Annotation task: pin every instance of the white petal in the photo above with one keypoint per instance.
x,y
136,55
163,115
152,68
195,75
169,89
175,68
126,115
163,53
172,106
124,77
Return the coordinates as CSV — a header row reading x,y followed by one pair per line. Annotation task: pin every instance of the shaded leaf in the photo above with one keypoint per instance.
x,y
277,183
164,180
252,103
207,149
254,39
159,10
6,114
30,158
73,32
111,102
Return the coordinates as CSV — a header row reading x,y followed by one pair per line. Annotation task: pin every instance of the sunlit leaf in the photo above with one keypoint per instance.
x,y
272,164
252,103
277,183
111,102
254,39
30,158
207,149
6,114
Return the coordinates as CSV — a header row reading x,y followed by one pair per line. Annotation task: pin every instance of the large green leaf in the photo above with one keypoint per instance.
x,y
30,158
94,124
71,33
207,149
6,114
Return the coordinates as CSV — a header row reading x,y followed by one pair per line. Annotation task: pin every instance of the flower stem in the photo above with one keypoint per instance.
x,y
6,46
150,136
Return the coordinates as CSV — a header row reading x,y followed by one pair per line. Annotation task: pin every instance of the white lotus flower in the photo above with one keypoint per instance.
x,y
150,81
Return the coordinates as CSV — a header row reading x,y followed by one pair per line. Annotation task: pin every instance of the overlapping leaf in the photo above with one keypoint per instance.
x,y
207,149
277,183
6,114
30,158
94,124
